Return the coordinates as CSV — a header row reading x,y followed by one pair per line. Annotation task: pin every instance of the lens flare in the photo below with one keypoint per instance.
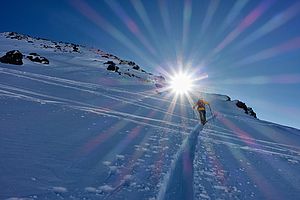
x,y
251,18
181,83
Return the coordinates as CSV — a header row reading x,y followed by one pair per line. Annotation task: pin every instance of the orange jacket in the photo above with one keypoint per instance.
x,y
201,104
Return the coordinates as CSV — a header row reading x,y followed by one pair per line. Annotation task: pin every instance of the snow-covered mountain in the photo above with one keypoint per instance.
x,y
79,123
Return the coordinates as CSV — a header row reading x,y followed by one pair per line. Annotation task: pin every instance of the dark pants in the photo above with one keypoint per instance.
x,y
202,114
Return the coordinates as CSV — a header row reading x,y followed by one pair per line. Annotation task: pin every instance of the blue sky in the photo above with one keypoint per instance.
x,y
249,49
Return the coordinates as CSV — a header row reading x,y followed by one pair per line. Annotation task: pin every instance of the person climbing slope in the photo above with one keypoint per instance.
x,y
200,104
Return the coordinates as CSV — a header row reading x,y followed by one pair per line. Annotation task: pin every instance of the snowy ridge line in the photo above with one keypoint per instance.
x,y
85,106
278,125
260,121
188,143
252,120
74,85
263,143
247,139
244,147
258,145
234,134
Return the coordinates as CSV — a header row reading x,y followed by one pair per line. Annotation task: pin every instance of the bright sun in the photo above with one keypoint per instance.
x,y
181,83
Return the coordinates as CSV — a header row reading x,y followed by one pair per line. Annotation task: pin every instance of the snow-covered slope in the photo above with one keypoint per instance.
x,y
72,129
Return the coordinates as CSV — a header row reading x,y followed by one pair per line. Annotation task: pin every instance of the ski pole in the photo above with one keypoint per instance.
x,y
211,111
194,114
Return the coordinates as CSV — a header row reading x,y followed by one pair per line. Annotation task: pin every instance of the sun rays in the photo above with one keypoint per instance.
x,y
150,38
181,84
155,46
185,52
168,43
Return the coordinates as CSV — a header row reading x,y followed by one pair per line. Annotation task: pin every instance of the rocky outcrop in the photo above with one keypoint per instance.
x,y
16,36
12,57
112,66
112,63
130,63
160,81
248,110
136,67
15,57
34,57
228,98
109,63
46,44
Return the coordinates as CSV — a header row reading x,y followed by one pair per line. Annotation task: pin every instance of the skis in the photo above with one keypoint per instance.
x,y
203,123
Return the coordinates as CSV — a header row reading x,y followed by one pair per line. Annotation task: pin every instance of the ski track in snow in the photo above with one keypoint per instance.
x,y
84,107
267,147
121,175
179,177
90,88
172,185
83,86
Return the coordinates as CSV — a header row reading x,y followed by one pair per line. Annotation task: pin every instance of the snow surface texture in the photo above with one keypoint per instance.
x,y
74,130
